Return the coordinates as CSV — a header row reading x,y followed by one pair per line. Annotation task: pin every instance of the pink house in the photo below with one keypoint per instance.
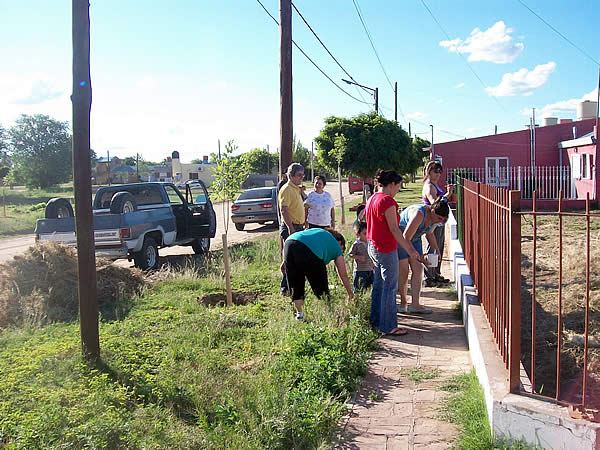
x,y
562,159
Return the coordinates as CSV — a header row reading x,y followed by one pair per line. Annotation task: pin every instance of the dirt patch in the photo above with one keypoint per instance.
x,y
572,290
40,286
219,299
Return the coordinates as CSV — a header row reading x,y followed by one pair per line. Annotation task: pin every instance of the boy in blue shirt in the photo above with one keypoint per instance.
x,y
363,266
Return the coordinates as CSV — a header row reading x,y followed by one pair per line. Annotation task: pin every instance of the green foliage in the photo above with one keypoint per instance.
x,y
129,161
177,374
301,154
372,142
260,161
418,374
418,157
230,173
40,149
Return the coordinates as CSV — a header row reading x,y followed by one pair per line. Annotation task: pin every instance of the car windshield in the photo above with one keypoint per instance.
x,y
255,194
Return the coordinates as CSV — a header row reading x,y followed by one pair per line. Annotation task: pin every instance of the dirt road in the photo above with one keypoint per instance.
x,y
14,246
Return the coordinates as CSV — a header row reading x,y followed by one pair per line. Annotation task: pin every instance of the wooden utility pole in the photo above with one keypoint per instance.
x,y
285,84
396,101
376,100
82,180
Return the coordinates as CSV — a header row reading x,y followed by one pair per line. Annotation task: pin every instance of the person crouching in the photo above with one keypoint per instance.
x,y
305,256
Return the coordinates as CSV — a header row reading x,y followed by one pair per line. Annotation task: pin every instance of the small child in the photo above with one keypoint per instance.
x,y
363,266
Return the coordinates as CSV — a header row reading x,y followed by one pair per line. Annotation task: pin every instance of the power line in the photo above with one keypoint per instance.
x,y
458,51
313,63
559,33
324,46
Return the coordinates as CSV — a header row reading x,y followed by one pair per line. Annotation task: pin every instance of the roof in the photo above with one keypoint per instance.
x,y
586,139
129,169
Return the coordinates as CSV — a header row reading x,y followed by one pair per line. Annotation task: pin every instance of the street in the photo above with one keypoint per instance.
x,y
14,246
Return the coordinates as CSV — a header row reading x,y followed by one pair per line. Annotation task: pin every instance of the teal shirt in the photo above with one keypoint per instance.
x,y
320,242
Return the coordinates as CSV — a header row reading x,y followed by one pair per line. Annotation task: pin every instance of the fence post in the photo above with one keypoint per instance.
x,y
460,211
515,291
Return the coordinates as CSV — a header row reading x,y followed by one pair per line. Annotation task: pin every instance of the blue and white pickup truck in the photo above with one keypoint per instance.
x,y
134,220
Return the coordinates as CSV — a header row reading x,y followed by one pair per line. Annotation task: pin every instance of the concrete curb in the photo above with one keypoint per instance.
x,y
512,417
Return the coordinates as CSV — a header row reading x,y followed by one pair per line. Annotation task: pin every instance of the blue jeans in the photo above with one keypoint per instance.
x,y
385,285
363,279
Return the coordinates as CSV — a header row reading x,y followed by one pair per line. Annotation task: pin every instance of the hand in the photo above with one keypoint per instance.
x,y
290,230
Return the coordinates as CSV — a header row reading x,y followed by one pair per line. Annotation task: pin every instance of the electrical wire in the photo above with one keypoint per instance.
x,y
459,52
313,63
559,33
325,47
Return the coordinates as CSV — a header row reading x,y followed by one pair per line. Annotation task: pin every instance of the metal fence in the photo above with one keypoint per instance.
x,y
490,234
489,227
547,181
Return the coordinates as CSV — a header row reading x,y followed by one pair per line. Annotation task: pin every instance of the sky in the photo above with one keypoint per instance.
x,y
184,74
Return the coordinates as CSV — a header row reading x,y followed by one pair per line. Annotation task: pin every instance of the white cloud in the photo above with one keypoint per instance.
x,y
563,107
459,85
147,83
522,82
31,90
493,45
416,115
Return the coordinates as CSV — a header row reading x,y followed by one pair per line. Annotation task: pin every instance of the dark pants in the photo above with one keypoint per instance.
x,y
284,233
363,279
312,225
301,263
435,272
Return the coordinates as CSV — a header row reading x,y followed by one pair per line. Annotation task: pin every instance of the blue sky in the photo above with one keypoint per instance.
x,y
180,75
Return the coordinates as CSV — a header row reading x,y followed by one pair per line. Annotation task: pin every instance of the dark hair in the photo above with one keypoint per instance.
x,y
322,178
433,164
385,177
338,237
359,226
440,207
360,209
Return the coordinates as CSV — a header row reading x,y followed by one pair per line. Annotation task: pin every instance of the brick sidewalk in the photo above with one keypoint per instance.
x,y
392,412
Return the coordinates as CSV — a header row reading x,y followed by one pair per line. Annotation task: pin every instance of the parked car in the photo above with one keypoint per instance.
x,y
134,220
356,184
258,205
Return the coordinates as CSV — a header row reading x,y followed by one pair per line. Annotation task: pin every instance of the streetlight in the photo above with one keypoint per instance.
x,y
375,92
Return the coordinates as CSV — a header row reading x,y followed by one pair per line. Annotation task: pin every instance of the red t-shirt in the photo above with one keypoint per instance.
x,y
378,231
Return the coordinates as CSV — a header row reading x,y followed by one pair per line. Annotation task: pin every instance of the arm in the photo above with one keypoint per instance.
x,y
433,242
333,217
287,219
390,218
340,266
449,190
429,192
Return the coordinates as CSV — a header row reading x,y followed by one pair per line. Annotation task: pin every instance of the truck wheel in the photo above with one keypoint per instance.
x,y
57,208
122,202
147,257
201,246
239,226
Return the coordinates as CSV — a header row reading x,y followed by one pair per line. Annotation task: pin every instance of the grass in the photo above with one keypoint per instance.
x,y
24,206
418,374
465,406
176,373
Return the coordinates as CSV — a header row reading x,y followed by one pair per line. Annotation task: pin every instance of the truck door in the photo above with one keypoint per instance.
x,y
183,216
204,220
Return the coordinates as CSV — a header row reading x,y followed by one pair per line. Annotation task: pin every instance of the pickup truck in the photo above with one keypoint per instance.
x,y
134,220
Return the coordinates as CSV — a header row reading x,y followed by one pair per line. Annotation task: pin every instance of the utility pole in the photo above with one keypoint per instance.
x,y
409,134
285,84
396,101
108,165
219,145
137,166
312,157
268,160
432,152
82,182
376,100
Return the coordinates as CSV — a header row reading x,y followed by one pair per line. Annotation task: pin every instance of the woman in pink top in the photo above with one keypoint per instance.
x,y
384,235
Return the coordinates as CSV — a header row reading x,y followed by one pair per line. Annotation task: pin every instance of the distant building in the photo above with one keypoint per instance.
x,y
184,172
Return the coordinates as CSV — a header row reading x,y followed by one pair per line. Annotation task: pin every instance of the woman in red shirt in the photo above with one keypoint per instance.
x,y
384,235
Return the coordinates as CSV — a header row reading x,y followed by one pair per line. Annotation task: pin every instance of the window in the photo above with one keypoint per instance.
x,y
585,172
255,194
496,171
193,175
174,198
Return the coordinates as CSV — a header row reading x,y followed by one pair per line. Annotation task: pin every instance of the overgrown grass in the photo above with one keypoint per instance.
x,y
24,206
466,408
418,374
175,373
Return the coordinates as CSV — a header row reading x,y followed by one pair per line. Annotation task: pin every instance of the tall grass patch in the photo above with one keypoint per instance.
x,y
179,372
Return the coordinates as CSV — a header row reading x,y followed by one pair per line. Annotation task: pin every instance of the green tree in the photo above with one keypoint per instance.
x,y
40,149
418,155
129,161
196,161
301,154
4,159
371,142
259,160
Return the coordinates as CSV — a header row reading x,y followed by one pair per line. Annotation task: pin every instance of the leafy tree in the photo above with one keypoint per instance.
x,y
371,142
40,150
300,154
259,160
4,159
129,161
196,161
418,156
93,157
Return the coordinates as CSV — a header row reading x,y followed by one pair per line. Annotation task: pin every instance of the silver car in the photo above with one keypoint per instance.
x,y
258,205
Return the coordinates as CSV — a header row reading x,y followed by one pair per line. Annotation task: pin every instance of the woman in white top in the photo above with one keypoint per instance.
x,y
319,206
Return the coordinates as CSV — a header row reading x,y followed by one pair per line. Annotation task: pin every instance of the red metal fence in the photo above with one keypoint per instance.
x,y
491,238
489,221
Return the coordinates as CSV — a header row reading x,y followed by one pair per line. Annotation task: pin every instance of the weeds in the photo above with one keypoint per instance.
x,y
418,374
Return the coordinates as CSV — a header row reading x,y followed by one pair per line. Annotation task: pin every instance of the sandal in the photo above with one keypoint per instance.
x,y
414,310
402,309
397,332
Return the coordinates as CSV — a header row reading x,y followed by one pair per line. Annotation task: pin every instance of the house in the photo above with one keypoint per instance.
x,y
558,156
184,172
